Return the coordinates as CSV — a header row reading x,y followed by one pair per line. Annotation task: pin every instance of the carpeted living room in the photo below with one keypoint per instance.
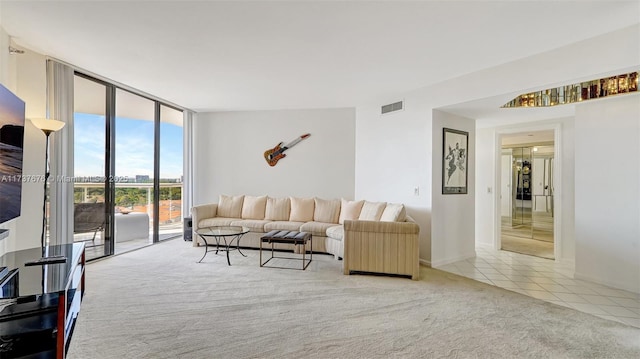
x,y
158,302
393,116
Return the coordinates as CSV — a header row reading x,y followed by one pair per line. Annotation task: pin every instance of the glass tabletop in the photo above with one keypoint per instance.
x,y
221,231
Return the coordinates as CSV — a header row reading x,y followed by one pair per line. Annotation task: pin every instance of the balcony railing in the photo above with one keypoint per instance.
x,y
134,212
170,198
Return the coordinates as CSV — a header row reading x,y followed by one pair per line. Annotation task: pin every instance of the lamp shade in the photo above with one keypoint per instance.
x,y
47,125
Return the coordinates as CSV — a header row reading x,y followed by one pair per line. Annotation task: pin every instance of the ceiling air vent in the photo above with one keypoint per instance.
x,y
397,106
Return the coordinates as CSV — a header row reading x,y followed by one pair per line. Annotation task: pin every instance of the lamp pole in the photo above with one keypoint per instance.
x,y
47,126
44,201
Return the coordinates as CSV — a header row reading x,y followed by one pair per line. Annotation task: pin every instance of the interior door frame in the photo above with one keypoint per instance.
x,y
557,181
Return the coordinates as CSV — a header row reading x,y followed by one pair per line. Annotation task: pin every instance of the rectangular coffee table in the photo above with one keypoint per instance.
x,y
290,237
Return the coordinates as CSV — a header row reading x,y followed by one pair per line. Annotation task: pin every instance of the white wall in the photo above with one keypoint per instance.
x,y
25,75
229,147
485,178
393,157
608,191
401,145
506,189
453,223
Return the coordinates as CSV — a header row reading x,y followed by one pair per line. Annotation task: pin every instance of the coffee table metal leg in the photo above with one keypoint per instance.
x,y
206,245
238,244
260,252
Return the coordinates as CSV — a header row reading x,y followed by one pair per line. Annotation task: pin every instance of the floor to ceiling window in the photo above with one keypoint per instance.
x,y
90,104
128,168
171,155
134,204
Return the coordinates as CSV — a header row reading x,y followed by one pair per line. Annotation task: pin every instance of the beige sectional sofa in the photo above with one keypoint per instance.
x,y
380,236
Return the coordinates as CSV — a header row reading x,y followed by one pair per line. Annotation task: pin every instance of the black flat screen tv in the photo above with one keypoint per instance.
x,y
12,117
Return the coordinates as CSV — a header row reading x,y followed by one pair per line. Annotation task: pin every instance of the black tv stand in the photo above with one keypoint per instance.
x,y
41,301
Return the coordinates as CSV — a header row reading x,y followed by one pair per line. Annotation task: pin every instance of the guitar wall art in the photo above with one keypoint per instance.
x,y
273,155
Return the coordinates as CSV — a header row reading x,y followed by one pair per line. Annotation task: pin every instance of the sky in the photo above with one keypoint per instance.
x,y
134,147
11,108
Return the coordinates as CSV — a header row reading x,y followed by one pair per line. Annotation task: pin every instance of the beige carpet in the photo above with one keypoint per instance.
x,y
158,302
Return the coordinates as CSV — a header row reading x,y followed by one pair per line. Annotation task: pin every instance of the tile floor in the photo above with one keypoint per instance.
x,y
550,281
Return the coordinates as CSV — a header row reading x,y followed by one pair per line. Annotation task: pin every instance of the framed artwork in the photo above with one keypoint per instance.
x,y
455,147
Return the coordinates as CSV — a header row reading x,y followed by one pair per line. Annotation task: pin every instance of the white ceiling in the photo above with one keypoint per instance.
x,y
214,55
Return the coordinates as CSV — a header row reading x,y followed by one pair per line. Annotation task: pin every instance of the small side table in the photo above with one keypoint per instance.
x,y
290,237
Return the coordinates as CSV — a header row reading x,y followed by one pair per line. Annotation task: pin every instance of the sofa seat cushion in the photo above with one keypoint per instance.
x,y
283,226
336,232
216,221
316,228
254,225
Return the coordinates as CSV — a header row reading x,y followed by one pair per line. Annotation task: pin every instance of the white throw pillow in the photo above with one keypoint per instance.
x,y
326,211
254,207
393,212
278,209
372,211
230,206
349,210
302,209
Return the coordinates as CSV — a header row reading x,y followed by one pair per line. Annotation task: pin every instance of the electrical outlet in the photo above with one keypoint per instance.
x,y
416,191
489,189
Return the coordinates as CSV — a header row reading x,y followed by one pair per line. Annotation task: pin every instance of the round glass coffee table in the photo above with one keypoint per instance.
x,y
224,237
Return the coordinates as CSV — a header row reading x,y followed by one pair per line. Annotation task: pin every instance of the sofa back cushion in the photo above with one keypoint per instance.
x,y
349,210
394,212
326,210
278,209
254,207
230,206
302,209
372,211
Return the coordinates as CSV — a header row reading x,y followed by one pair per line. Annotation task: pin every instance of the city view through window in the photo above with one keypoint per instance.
x,y
134,155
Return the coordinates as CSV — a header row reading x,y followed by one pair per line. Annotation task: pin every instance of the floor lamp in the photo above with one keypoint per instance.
x,y
48,127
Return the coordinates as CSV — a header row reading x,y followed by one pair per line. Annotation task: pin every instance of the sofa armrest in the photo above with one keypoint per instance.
x,y
382,247
199,213
381,227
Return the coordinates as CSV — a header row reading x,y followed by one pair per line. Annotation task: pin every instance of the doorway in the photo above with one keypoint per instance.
x,y
527,194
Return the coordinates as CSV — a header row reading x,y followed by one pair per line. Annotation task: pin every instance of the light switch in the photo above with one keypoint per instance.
x,y
416,191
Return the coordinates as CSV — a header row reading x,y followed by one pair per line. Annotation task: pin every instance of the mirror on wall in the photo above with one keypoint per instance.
x,y
527,199
522,172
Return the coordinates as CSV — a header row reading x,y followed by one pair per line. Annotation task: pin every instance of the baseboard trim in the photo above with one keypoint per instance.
x,y
566,261
425,262
454,259
485,246
607,283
